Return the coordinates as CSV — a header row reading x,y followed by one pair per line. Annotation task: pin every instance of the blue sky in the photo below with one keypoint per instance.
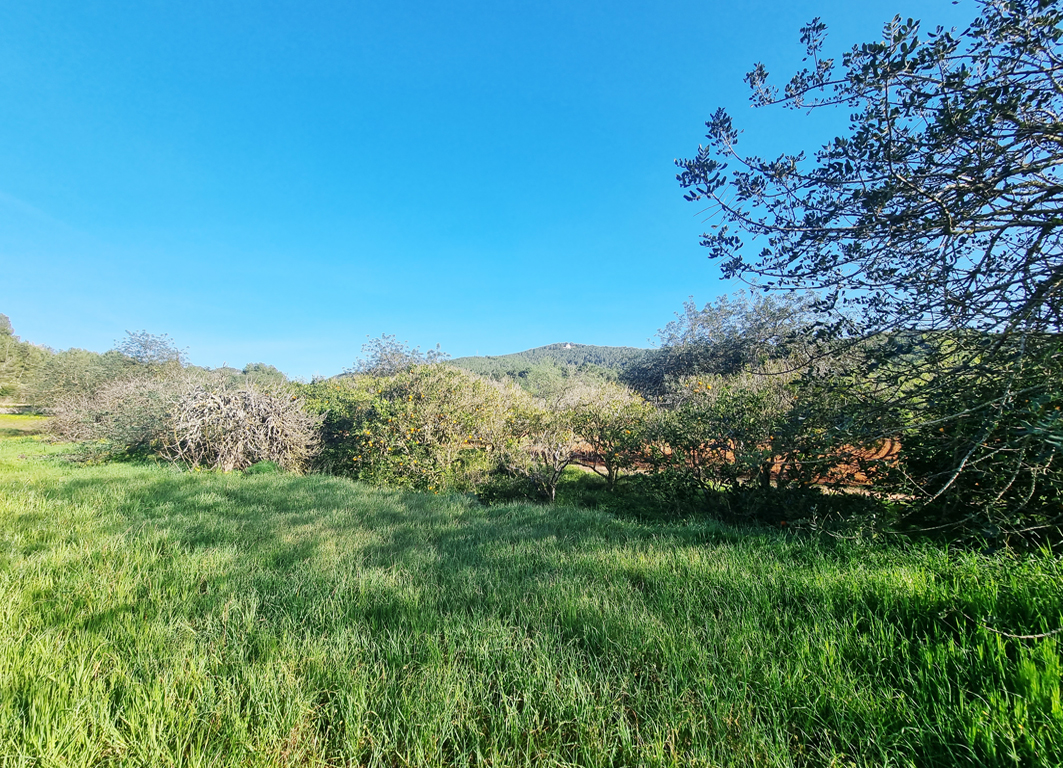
x,y
276,181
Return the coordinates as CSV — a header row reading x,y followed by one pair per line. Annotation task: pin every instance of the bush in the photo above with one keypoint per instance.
x,y
234,429
76,373
193,417
542,444
726,430
611,421
430,427
130,415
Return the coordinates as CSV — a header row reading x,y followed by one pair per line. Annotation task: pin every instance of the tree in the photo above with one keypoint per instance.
x,y
611,420
725,337
387,356
932,228
264,374
20,363
151,348
550,445
73,372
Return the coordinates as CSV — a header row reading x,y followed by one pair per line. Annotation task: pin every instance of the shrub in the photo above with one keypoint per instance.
x,y
232,429
191,416
128,415
76,373
431,426
722,430
543,443
611,421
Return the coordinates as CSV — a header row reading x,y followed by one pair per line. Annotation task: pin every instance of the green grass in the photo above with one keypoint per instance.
x,y
153,617
20,425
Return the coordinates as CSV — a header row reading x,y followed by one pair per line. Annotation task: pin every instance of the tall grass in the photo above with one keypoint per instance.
x,y
155,617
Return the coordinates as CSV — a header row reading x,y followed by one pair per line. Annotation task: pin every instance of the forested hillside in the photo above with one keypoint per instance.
x,y
556,360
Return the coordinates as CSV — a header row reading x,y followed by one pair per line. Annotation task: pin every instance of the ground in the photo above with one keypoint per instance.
x,y
152,616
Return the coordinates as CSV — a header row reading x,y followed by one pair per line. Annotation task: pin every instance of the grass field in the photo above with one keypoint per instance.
x,y
156,617
13,425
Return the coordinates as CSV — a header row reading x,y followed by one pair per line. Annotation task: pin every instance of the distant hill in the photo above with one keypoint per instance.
x,y
608,362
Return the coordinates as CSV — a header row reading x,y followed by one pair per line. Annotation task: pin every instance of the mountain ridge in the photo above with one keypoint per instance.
x,y
562,354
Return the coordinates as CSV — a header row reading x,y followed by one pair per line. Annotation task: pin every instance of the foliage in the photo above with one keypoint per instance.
x,y
46,378
189,415
151,349
264,375
428,426
154,617
19,362
733,334
611,421
723,429
387,356
543,445
937,214
986,461
128,415
76,372
437,427
546,371
564,354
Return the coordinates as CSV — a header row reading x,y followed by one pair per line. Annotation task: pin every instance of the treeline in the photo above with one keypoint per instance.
x,y
35,375
744,411
540,369
566,354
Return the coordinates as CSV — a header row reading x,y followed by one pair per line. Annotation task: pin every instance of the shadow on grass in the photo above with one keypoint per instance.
x,y
320,535
316,556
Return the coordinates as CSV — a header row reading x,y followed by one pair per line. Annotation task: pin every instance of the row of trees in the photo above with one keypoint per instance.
x,y
725,410
42,377
740,395
734,404
729,410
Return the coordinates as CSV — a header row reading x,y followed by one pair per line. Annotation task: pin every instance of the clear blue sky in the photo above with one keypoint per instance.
x,y
274,181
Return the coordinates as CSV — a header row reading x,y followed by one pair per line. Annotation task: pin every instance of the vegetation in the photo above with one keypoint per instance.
x,y
724,565
732,335
223,428
19,362
544,371
387,355
566,354
174,618
430,427
936,218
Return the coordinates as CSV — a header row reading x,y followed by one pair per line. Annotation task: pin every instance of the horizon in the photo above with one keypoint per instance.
x,y
280,186
225,364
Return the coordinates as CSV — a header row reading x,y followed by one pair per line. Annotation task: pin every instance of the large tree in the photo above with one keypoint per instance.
x,y
932,227
730,335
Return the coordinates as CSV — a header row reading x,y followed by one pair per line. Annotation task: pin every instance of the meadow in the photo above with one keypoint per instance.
x,y
154,616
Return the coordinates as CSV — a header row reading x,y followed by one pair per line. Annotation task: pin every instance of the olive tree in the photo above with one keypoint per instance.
x,y
151,349
724,337
387,356
931,231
